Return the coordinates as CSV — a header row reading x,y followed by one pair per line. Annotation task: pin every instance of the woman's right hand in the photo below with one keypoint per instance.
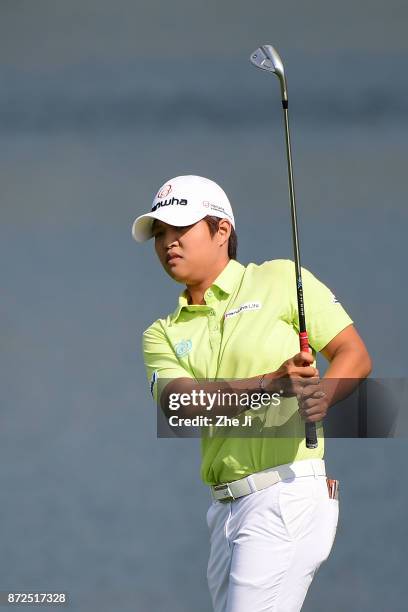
x,y
293,376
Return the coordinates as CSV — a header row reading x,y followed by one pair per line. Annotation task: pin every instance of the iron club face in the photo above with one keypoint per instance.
x,y
267,58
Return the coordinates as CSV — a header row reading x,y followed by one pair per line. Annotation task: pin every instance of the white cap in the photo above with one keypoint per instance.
x,y
184,200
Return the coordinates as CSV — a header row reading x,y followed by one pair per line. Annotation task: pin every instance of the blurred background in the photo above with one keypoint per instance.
x,y
100,103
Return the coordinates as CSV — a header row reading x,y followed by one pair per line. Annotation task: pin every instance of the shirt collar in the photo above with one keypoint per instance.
x,y
226,281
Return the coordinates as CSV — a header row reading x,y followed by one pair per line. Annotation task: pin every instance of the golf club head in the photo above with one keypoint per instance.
x,y
267,58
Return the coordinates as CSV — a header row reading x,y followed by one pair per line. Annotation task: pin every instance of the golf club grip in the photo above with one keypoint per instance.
x,y
304,342
311,435
310,428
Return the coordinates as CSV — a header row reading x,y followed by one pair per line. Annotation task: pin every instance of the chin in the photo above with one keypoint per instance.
x,y
179,277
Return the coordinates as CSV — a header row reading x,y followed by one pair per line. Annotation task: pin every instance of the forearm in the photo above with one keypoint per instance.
x,y
231,397
345,372
208,397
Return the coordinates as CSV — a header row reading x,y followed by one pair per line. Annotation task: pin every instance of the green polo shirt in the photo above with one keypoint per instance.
x,y
247,327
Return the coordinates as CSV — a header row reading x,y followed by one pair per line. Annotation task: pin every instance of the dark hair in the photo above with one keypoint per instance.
x,y
213,223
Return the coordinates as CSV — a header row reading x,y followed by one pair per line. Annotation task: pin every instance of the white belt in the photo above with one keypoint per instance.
x,y
261,480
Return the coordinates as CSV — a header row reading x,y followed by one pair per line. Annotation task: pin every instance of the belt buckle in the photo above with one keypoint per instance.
x,y
225,486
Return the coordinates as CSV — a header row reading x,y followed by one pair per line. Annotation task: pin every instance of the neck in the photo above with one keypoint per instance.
x,y
196,290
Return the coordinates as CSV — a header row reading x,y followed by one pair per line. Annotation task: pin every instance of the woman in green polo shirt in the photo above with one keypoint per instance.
x,y
272,521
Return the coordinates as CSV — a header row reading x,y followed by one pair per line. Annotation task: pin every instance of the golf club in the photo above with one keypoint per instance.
x,y
267,58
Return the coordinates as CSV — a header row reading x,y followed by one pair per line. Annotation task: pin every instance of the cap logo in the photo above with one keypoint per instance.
x,y
164,191
169,202
220,209
206,204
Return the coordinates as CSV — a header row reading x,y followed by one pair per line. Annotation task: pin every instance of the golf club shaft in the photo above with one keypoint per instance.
x,y
310,428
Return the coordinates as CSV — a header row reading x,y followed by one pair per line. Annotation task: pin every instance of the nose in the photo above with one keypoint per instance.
x,y
171,236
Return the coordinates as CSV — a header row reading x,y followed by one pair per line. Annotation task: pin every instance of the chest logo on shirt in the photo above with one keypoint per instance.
x,y
183,347
243,308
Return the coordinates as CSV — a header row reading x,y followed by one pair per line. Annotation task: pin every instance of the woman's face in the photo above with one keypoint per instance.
x,y
189,253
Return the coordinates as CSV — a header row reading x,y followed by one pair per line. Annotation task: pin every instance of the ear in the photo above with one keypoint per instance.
x,y
223,232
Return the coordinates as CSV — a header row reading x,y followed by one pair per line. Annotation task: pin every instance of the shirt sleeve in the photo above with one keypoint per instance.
x,y
325,316
160,360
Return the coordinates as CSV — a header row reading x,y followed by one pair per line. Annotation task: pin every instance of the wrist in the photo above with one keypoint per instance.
x,y
261,385
267,383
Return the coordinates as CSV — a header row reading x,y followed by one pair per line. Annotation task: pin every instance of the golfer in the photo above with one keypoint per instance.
x,y
272,520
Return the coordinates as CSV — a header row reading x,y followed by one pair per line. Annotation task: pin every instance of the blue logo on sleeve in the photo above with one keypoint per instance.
x,y
153,381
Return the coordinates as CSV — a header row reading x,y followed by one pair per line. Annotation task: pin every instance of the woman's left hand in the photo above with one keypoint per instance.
x,y
313,404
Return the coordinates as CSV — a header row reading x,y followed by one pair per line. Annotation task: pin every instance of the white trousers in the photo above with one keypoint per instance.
x,y
266,547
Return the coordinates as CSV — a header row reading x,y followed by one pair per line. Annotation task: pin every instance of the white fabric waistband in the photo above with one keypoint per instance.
x,y
261,480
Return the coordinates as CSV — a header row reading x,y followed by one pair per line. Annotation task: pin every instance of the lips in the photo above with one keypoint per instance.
x,y
172,257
